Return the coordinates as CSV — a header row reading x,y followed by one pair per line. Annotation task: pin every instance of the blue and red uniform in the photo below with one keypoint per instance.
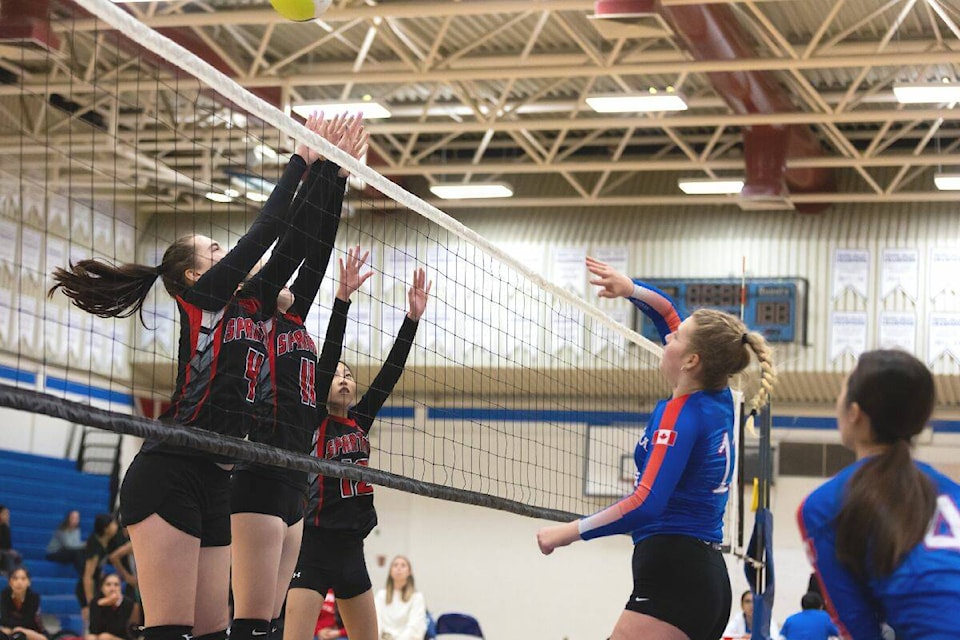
x,y
685,458
920,599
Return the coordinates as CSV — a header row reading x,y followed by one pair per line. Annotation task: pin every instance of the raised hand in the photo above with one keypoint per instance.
x,y
353,141
314,121
350,277
614,284
418,294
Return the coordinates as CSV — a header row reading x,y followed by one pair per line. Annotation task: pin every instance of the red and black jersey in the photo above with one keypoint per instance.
x,y
222,350
334,503
288,417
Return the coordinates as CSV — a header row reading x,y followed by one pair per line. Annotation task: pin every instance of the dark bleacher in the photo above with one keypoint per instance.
x,y
39,491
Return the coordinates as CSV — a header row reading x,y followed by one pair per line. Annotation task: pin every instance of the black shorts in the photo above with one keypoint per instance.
x,y
191,493
253,493
331,560
682,581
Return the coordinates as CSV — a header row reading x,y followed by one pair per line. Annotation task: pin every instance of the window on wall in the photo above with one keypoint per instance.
x,y
813,460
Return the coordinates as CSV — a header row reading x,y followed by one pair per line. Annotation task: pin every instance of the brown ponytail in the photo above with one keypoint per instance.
x,y
888,502
110,291
724,346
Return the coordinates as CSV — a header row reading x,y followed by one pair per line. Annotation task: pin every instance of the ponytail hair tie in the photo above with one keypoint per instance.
x,y
159,270
744,339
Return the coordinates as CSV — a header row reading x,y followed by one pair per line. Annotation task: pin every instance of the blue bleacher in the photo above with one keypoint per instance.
x,y
39,491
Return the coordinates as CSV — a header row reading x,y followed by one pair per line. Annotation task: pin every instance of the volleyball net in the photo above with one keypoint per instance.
x,y
520,393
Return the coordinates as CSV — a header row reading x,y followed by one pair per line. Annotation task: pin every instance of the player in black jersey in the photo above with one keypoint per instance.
x,y
176,503
267,502
340,512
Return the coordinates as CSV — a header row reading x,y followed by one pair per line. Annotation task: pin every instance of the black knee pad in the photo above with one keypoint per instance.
x,y
167,632
276,629
213,635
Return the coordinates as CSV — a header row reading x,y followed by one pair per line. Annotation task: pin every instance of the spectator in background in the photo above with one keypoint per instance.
x,y
66,546
110,613
741,625
20,609
329,624
813,623
9,557
95,556
401,610
121,556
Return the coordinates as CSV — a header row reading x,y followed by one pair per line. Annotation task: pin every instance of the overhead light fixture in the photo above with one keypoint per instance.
x,y
370,109
256,196
638,102
216,196
927,92
265,153
711,186
469,191
947,181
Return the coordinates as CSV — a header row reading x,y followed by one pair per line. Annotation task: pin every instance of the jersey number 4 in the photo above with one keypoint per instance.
x,y
352,488
254,363
944,531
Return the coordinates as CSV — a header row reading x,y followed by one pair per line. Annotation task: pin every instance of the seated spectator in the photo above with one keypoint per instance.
x,y
329,624
95,556
66,545
813,623
110,613
741,625
401,610
9,557
121,556
20,609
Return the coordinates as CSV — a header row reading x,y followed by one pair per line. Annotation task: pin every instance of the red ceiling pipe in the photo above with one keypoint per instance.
x,y
712,32
27,22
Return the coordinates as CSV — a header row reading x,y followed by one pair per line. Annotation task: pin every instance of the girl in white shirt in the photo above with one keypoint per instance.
x,y
401,610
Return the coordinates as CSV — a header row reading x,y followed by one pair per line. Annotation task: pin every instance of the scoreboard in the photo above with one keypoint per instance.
x,y
773,307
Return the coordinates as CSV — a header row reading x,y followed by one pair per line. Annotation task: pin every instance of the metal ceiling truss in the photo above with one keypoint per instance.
x,y
509,104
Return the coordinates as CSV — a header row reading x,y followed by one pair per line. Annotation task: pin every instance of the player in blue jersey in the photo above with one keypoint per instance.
x,y
685,465
884,534
174,501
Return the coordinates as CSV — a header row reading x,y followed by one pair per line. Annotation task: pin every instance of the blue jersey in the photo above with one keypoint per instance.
x,y
920,599
684,460
812,624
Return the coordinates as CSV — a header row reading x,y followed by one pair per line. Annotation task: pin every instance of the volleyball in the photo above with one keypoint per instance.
x,y
301,10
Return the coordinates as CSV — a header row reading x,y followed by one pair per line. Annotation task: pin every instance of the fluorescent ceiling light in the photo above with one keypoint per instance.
x,y
640,102
711,187
256,196
369,109
233,193
265,153
927,93
219,197
947,181
466,191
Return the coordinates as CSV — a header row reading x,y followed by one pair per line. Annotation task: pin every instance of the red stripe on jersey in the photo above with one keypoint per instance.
x,y
321,445
194,320
812,558
272,355
667,423
217,336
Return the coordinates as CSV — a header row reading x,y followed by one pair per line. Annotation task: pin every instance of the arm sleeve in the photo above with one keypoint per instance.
x,y
416,625
658,306
332,347
672,442
325,202
382,386
215,287
847,602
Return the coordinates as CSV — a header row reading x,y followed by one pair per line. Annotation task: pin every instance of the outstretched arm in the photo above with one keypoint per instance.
x,y
326,197
217,285
653,302
382,386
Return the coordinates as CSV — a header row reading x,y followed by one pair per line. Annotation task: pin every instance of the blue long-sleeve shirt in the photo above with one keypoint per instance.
x,y
920,599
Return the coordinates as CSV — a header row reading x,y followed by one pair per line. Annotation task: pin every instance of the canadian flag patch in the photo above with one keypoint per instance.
x,y
665,436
